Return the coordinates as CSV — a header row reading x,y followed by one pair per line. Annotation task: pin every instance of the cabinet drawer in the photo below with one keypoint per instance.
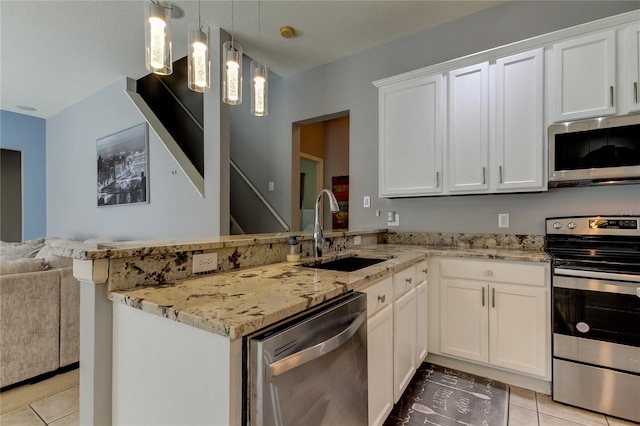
x,y
403,281
534,274
379,295
421,271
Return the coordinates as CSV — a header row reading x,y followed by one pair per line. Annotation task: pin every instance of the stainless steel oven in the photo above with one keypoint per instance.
x,y
596,312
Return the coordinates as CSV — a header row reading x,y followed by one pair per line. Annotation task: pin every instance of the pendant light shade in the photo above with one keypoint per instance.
x,y
259,89
232,73
199,66
158,39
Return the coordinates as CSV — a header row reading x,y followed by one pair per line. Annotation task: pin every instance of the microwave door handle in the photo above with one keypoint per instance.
x,y
304,356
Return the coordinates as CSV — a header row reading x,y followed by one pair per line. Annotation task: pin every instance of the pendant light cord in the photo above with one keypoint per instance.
x,y
232,24
259,40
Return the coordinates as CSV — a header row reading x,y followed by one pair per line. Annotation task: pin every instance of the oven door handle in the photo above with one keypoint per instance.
x,y
292,361
596,275
603,286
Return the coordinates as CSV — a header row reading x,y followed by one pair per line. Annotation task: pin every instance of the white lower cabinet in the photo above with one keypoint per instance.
x,y
380,359
404,342
496,312
421,322
380,350
397,336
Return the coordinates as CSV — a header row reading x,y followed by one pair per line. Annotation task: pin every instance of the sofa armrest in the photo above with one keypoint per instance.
x,y
69,317
29,325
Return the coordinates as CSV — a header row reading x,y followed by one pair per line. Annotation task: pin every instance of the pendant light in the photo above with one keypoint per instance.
x,y
259,82
232,70
158,39
199,66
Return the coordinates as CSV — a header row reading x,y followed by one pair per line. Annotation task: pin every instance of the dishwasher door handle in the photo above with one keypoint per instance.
x,y
292,361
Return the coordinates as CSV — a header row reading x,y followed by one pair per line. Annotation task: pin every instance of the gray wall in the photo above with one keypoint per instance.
x,y
346,85
175,208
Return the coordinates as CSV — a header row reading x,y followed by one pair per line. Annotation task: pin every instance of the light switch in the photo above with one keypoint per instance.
x,y
366,203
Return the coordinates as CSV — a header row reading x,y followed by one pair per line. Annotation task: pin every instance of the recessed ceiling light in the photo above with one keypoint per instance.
x,y
26,108
287,31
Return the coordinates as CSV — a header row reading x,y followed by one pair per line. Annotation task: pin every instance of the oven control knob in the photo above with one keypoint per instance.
x,y
557,225
571,225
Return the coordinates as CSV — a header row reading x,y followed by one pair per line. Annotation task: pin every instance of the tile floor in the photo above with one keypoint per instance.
x,y
526,408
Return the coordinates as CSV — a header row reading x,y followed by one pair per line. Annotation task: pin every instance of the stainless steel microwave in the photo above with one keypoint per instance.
x,y
599,151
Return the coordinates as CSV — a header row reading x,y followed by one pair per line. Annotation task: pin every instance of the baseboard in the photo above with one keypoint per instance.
x,y
514,379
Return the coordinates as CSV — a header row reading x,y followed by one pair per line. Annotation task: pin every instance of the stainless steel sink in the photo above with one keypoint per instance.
x,y
344,264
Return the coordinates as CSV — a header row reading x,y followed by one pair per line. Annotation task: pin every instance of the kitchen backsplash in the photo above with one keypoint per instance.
x,y
465,240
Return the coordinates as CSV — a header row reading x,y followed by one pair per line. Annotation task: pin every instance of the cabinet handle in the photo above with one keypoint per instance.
x,y
484,175
611,94
500,173
482,296
382,298
635,91
493,297
424,271
437,179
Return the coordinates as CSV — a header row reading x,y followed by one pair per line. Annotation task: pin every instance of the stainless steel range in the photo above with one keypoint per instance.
x,y
596,312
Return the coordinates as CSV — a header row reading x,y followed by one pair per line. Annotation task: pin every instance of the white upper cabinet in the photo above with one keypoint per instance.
x,y
468,128
585,76
633,79
519,129
411,137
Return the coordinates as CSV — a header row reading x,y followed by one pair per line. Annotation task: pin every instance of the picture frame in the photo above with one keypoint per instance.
x,y
123,167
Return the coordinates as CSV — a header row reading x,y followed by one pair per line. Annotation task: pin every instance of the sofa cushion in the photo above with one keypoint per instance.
x,y
53,260
13,251
21,266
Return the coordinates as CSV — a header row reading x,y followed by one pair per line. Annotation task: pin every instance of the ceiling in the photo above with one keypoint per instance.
x,y
54,53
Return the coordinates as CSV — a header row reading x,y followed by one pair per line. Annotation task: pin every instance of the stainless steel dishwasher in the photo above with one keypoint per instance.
x,y
310,369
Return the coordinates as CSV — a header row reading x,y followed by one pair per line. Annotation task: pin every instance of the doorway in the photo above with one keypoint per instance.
x,y
10,195
320,154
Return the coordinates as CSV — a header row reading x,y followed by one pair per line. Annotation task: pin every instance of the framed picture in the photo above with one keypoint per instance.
x,y
123,167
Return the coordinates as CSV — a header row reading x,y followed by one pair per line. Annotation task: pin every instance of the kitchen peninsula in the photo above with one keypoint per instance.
x,y
183,337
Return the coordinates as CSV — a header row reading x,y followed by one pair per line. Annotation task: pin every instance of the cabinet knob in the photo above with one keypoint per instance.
x,y
408,280
424,271
382,298
489,272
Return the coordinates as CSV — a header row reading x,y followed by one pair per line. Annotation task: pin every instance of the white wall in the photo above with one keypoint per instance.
x,y
175,208
346,85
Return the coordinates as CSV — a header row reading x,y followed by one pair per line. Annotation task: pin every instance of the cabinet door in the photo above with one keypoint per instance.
x,y
380,365
404,342
518,328
585,76
463,319
411,137
421,322
519,132
468,128
633,90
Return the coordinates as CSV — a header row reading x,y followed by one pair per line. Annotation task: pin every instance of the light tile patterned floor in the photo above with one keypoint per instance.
x,y
526,408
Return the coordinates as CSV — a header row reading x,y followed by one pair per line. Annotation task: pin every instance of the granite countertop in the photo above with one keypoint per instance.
x,y
238,302
137,248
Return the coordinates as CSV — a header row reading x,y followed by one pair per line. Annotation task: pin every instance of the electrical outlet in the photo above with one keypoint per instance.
x,y
271,186
393,220
366,203
357,240
205,262
503,220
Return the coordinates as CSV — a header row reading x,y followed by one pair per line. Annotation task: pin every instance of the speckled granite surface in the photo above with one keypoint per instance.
x,y
239,302
466,240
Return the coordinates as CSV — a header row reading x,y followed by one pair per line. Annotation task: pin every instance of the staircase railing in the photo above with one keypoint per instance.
x,y
261,197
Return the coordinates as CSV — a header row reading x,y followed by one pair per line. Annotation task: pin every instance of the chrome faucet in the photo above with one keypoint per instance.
x,y
317,229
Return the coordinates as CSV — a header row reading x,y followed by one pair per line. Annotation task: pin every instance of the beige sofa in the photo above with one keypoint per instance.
x,y
39,314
